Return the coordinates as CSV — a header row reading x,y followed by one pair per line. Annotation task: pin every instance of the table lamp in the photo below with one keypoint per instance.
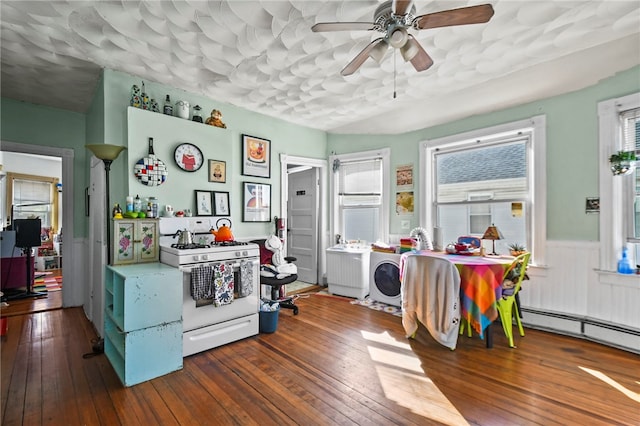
x,y
107,153
492,233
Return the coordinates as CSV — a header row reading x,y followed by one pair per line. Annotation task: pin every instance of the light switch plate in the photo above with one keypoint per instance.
x,y
404,224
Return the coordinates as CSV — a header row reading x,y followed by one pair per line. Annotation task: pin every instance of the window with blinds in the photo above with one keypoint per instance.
x,y
360,190
33,196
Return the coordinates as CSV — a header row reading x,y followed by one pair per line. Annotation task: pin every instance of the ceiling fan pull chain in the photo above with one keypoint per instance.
x,y
394,73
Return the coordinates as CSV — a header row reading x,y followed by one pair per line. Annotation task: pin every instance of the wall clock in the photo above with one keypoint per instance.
x,y
188,157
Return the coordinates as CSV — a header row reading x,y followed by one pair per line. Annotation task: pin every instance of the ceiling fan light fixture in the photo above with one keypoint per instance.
x,y
398,38
409,51
378,51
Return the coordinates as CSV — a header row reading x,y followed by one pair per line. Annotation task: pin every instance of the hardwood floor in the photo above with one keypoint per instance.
x,y
334,363
53,300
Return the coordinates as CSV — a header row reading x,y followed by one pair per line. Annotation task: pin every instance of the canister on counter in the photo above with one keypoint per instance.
x,y
152,207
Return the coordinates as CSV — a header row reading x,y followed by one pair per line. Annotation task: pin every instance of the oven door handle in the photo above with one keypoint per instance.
x,y
233,265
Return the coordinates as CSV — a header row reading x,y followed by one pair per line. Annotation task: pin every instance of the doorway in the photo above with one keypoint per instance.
x,y
303,190
65,297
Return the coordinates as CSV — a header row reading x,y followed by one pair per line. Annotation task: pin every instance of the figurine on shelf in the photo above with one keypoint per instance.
x,y
216,119
135,101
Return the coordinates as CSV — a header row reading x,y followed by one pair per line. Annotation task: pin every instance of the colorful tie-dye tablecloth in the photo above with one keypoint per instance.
x,y
480,287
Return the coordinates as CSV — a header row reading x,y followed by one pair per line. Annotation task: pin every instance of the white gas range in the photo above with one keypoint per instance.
x,y
208,322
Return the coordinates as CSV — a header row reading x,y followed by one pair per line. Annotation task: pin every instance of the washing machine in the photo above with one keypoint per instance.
x,y
384,278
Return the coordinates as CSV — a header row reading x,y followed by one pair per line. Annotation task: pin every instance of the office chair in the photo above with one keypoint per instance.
x,y
276,271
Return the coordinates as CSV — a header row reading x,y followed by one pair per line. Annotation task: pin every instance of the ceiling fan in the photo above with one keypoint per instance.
x,y
394,18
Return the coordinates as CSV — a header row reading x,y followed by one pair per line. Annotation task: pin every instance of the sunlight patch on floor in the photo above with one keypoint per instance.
x,y
403,381
608,380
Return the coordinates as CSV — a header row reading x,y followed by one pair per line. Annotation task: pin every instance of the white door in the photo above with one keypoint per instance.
x,y
97,238
302,229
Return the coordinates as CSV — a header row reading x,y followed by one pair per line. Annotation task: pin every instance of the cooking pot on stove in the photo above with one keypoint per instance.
x,y
184,237
224,232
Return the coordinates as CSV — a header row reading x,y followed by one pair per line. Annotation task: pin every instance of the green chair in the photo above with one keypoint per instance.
x,y
507,305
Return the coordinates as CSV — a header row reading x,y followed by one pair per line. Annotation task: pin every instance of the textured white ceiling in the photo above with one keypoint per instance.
x,y
263,56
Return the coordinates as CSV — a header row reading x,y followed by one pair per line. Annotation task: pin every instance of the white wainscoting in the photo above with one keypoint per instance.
x,y
571,296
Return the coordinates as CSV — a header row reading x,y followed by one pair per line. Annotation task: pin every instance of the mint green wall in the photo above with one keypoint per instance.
x,y
26,123
572,152
285,138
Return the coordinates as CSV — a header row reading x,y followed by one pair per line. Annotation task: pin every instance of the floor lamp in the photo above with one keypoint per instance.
x,y
107,153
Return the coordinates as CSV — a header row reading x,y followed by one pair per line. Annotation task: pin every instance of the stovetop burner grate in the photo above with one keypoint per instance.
x,y
190,246
228,243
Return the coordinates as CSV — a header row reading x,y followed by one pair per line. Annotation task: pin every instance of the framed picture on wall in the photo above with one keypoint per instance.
x,y
221,203
217,171
256,202
256,156
204,203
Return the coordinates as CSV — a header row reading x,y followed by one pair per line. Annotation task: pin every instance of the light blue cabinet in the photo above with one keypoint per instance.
x,y
143,321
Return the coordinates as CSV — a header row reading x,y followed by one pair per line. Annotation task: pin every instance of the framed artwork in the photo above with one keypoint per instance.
x,y
256,202
404,177
404,202
221,203
204,203
593,205
256,156
217,171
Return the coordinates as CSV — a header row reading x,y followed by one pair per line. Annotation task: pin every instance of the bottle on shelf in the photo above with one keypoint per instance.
x,y
137,204
168,108
146,103
129,206
197,116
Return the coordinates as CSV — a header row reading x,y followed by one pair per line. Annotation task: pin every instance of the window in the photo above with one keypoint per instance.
x,y
30,196
360,187
619,129
486,177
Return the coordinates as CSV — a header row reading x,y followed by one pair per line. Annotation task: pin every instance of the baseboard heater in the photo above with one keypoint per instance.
x,y
614,335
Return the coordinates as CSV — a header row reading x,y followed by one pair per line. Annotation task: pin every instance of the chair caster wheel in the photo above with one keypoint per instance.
x,y
295,311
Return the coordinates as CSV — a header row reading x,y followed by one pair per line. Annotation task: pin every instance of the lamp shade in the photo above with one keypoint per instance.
x,y
410,49
378,51
105,151
492,233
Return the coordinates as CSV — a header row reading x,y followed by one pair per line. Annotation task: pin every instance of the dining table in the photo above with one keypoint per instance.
x,y
480,287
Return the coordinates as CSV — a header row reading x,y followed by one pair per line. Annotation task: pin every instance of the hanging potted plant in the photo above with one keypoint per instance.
x,y
623,162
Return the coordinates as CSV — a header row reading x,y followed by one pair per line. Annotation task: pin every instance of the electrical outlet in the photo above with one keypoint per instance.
x,y
404,224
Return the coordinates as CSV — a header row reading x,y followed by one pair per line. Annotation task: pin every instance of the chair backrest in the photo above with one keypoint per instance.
x,y
265,253
516,272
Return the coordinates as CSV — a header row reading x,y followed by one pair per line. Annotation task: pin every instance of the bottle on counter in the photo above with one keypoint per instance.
x,y
129,206
117,211
137,204
168,108
152,207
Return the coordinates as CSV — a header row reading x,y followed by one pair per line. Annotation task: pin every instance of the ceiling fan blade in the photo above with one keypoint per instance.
x,y
360,58
463,16
342,26
401,7
421,61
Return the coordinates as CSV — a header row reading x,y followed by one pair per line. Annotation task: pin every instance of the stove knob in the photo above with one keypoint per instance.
x,y
245,253
195,258
205,257
237,254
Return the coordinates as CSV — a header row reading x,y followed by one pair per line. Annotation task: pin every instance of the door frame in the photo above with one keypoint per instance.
x,y
71,290
323,228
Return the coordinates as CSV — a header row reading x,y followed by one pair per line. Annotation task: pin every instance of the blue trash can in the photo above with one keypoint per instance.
x,y
269,320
